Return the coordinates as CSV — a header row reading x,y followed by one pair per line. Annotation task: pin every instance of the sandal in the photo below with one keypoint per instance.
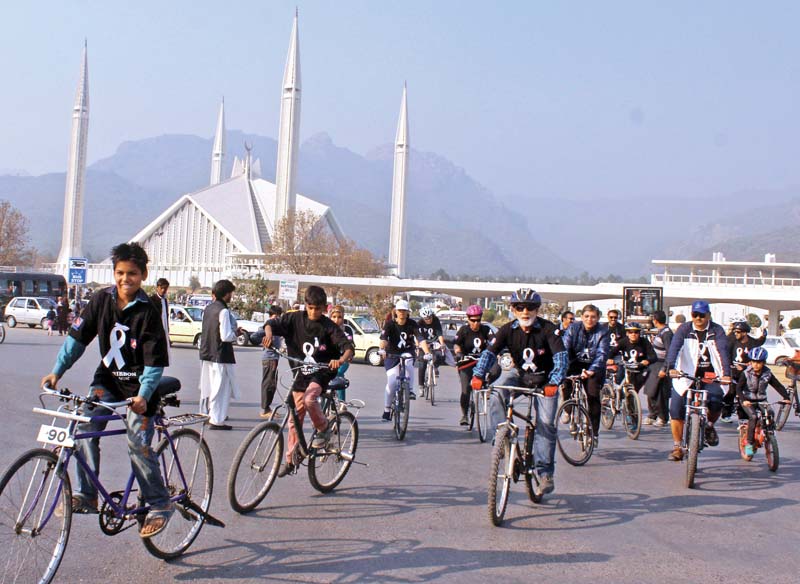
x,y
84,505
155,522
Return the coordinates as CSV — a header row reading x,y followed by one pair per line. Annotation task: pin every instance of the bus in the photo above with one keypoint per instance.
x,y
13,283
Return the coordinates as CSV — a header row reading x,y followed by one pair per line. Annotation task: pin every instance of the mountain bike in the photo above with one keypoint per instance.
x,y
431,379
764,436
401,403
510,461
794,401
622,399
695,422
258,458
475,401
36,491
574,435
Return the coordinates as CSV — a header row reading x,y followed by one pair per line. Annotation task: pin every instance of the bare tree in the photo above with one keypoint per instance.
x,y
14,249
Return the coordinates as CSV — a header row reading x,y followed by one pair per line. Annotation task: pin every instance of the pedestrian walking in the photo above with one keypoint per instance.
x,y
62,315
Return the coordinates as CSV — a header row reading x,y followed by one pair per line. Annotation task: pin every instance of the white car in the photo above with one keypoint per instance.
x,y
30,310
251,326
780,348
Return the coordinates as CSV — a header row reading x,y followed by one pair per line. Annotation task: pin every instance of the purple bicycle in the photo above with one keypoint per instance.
x,y
36,493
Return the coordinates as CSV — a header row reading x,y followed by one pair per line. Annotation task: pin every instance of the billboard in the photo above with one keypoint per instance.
x,y
639,303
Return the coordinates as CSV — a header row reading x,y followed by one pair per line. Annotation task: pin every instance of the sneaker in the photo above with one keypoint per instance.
x,y
727,419
546,485
648,422
266,413
712,439
564,417
412,395
287,469
676,454
387,416
321,437
595,442
464,421
659,423
749,450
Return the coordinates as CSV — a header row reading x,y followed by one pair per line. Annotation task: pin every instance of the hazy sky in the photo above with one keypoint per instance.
x,y
571,99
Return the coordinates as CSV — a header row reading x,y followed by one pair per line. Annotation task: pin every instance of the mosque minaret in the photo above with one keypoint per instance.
x,y
397,228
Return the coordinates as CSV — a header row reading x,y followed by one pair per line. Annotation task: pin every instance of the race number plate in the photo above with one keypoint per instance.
x,y
55,436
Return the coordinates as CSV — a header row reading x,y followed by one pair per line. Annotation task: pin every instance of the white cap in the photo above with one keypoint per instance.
x,y
402,305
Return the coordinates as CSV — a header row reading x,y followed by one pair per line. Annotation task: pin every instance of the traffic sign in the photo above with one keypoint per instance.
x,y
76,270
288,290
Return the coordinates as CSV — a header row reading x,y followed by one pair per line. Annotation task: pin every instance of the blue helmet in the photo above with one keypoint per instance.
x,y
701,306
757,354
526,296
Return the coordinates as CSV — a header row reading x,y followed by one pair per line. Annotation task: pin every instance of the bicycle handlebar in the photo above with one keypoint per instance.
x,y
65,393
682,375
520,390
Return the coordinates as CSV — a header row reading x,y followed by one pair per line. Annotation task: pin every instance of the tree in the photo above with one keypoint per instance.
x,y
194,283
14,249
753,320
795,323
489,315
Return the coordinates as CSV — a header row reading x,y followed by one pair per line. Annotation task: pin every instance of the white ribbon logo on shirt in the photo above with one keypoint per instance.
x,y
703,355
117,340
402,343
308,350
527,356
477,345
739,355
632,356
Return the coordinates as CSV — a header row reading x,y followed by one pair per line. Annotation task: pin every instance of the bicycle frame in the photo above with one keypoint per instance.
x,y
696,402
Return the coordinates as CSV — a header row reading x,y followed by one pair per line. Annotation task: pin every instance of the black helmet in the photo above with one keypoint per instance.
x,y
741,326
633,326
526,296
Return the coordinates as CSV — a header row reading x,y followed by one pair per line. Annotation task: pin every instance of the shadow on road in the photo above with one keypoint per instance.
x,y
359,560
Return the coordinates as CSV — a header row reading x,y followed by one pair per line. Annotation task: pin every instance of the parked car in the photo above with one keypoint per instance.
x,y
780,349
30,310
366,337
251,326
185,324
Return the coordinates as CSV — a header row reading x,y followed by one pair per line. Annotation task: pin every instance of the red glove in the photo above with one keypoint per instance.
x,y
477,383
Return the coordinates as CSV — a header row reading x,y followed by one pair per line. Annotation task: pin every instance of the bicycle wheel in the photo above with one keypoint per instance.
x,y
632,414
574,438
500,477
2,334
607,413
402,407
255,466
482,413
432,389
694,449
425,384
188,472
35,518
771,451
530,478
783,413
329,465
471,413
743,442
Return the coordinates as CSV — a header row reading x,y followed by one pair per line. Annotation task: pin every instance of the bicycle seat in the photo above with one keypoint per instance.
x,y
168,385
338,383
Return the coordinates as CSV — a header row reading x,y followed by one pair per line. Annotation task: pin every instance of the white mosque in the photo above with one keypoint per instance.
x,y
225,229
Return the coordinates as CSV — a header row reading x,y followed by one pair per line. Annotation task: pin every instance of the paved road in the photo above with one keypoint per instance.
x,y
418,512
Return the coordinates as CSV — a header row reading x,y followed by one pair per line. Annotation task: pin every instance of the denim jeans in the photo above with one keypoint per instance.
x,y
143,461
544,441
677,404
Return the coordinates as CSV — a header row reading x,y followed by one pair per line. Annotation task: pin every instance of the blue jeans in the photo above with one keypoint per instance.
x,y
143,461
544,441
677,404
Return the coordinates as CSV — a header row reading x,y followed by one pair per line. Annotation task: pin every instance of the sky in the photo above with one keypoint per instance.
x,y
581,100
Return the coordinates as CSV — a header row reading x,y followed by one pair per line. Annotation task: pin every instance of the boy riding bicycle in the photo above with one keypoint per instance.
x,y
133,346
312,337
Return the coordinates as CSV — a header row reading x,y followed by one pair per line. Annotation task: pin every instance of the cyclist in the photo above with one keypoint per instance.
x,y
587,345
471,340
133,343
634,349
400,335
699,348
535,348
739,343
658,384
430,329
752,385
616,332
567,318
312,337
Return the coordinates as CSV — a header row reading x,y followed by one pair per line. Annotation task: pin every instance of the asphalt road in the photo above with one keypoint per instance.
x,y
418,512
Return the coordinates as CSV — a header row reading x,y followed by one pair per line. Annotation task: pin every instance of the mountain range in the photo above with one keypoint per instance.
x,y
454,223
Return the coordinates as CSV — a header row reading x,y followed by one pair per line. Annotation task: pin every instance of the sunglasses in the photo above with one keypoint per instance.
x,y
474,319
612,317
521,307
699,315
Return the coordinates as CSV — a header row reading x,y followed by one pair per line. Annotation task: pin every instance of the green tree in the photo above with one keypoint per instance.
x,y
194,283
795,323
14,249
753,320
489,315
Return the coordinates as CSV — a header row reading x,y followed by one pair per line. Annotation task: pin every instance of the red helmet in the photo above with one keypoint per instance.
x,y
474,310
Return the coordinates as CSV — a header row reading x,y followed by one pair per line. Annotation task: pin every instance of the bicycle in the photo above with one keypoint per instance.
x,y
695,421
431,375
621,399
401,404
36,491
574,429
794,401
473,403
258,458
2,332
764,435
509,461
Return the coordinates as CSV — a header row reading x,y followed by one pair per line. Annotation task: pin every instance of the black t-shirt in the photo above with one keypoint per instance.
x,y
532,351
737,350
312,341
430,332
636,352
474,342
704,364
401,338
615,334
129,340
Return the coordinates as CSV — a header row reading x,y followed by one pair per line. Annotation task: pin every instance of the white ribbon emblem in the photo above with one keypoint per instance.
x,y
527,356
632,356
308,350
117,340
476,345
402,343
703,355
739,355
612,340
